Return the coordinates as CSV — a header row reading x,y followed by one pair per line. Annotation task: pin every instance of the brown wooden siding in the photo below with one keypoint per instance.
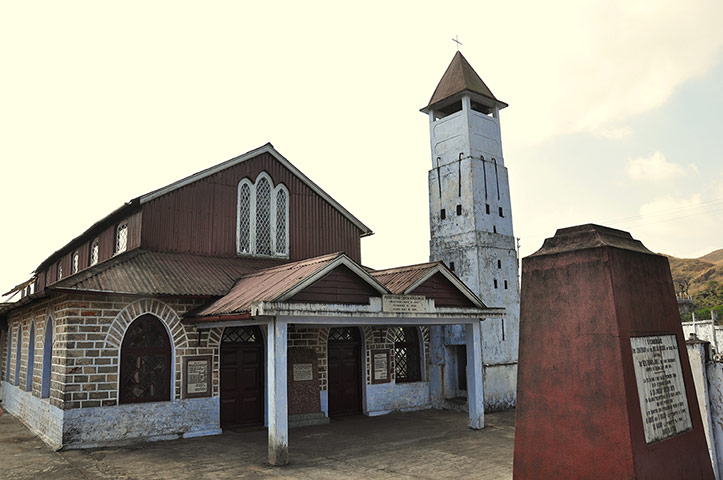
x,y
106,245
444,293
340,285
201,217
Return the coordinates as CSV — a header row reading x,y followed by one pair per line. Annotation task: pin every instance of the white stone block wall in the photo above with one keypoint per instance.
x,y
39,415
698,353
89,427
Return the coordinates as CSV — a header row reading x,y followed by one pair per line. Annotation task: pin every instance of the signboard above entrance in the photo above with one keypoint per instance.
x,y
404,303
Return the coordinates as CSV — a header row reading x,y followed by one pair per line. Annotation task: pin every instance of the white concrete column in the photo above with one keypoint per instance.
x,y
436,365
276,359
475,391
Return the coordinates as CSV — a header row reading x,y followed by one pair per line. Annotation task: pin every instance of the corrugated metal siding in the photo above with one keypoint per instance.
x,y
201,217
338,286
397,280
106,245
143,272
444,293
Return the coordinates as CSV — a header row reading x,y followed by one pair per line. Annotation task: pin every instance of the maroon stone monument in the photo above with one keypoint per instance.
x,y
604,387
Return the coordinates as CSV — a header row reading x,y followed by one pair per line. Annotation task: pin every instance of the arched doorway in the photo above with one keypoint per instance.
x,y
242,377
345,372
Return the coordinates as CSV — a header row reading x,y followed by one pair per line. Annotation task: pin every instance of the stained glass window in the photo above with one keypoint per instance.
x,y
406,355
145,362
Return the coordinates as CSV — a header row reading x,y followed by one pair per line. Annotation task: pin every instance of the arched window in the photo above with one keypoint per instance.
x,y
145,366
18,352
47,359
9,355
93,252
262,218
121,237
406,355
74,262
282,215
31,359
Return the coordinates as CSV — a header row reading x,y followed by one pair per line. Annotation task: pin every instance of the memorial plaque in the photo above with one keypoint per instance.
x,y
661,390
404,303
303,372
197,375
380,366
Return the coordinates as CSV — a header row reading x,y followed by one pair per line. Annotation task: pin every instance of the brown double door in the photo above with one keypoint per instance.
x,y
242,377
345,373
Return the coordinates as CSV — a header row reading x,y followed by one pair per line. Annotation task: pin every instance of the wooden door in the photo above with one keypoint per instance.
x,y
242,377
345,372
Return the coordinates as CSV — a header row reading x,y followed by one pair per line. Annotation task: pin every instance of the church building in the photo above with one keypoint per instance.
x,y
237,297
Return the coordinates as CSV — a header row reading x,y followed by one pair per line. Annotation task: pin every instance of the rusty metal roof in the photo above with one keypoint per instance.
x,y
142,271
273,284
399,279
460,77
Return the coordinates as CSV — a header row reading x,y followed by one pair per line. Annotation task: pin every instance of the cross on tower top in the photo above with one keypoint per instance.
x,y
456,40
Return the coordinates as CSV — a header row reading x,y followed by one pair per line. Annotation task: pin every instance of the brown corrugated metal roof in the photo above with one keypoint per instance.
x,y
161,273
460,77
265,285
399,279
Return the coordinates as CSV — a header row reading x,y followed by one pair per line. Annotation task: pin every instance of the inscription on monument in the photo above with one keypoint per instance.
x,y
404,303
303,372
661,390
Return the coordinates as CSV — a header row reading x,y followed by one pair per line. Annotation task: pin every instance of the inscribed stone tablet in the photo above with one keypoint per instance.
x,y
661,390
404,303
303,372
197,376
381,366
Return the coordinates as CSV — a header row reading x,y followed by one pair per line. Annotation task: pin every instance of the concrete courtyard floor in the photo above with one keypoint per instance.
x,y
428,444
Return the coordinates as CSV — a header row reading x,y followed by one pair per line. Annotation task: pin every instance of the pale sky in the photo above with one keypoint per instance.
x,y
615,116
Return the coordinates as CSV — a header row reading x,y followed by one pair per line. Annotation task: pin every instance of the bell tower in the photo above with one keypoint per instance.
x,y
470,221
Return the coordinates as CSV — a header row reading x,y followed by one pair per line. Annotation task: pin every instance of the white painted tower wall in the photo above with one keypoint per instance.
x,y
469,181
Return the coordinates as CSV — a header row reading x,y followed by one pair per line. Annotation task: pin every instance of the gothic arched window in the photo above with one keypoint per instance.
x,y
30,370
9,355
47,359
145,366
262,218
406,355
18,354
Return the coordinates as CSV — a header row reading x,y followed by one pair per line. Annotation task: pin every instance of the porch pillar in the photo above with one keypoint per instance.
x,y
475,391
278,399
436,365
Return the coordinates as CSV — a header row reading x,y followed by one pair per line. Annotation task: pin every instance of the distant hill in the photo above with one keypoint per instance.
x,y
713,257
702,278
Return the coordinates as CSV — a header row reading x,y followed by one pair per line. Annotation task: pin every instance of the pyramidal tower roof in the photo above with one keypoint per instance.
x,y
460,77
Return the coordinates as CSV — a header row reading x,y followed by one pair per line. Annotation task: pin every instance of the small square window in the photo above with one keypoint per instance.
x,y
459,210
494,229
495,281
505,284
499,263
443,214
451,266
501,214
487,208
